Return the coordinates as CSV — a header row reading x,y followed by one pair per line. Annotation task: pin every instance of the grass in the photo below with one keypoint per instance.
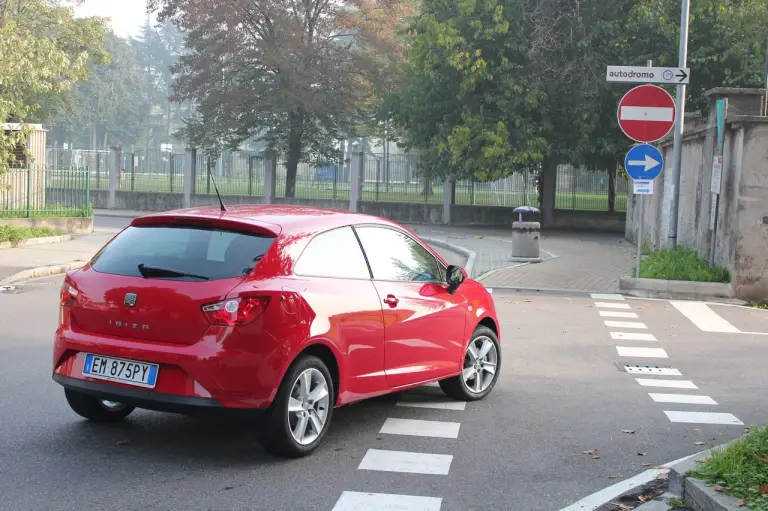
x,y
680,263
741,469
13,234
760,305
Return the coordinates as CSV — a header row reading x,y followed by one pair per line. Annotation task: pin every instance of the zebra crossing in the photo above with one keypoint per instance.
x,y
406,462
703,317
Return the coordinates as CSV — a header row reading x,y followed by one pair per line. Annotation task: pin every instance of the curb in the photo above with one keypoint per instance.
x,y
43,271
677,289
119,214
36,241
470,255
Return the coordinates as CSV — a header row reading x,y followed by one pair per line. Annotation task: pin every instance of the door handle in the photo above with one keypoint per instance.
x,y
391,300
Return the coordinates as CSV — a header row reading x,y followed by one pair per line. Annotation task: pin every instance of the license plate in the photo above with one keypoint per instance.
x,y
140,374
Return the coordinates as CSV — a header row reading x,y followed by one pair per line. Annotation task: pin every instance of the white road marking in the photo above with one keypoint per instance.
x,y
703,317
670,384
406,462
647,113
411,427
601,296
598,499
438,403
612,305
625,351
624,324
632,336
618,314
704,418
654,371
357,501
685,399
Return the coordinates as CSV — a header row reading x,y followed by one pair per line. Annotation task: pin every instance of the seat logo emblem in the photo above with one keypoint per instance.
x,y
130,299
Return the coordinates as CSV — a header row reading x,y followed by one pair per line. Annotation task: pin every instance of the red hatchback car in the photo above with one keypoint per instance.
x,y
288,310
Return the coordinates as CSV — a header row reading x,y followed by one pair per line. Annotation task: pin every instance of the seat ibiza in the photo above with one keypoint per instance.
x,y
285,310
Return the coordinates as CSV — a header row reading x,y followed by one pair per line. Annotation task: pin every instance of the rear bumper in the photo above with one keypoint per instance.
x,y
138,397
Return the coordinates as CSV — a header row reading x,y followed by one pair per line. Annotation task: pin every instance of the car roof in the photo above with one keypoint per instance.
x,y
277,219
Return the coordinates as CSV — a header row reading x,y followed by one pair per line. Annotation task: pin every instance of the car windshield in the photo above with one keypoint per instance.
x,y
182,253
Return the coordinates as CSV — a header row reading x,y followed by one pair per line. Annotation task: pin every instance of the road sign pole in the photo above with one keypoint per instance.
x,y
641,200
677,149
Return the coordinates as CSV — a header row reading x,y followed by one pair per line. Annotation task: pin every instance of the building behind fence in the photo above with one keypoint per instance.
x,y
385,178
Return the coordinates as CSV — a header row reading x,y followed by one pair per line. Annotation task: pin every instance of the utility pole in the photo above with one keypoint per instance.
x,y
677,148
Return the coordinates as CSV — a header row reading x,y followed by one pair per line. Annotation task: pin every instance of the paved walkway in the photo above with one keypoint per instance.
x,y
583,261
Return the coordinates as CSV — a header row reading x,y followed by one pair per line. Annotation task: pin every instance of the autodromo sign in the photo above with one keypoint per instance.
x,y
641,74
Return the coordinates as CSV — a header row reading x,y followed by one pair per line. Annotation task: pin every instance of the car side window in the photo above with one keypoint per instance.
x,y
334,254
393,255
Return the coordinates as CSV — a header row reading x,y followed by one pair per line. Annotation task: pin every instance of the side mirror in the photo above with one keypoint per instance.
x,y
454,277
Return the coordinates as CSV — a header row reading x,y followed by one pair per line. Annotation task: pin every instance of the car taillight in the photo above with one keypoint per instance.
x,y
235,311
68,294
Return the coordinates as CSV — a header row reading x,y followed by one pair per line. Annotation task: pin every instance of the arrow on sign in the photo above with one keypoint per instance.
x,y
682,75
648,163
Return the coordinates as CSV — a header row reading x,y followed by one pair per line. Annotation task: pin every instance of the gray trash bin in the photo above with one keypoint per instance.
x,y
525,236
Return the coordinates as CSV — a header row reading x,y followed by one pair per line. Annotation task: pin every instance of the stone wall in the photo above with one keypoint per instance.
x,y
66,225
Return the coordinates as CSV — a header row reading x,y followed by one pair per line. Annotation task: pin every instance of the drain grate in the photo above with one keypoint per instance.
x,y
658,369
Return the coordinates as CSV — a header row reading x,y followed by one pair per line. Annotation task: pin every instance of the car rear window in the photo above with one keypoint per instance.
x,y
209,253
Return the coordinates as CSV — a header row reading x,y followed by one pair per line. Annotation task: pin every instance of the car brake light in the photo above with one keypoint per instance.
x,y
68,294
235,311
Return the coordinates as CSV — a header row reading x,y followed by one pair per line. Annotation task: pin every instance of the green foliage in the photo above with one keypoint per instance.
x,y
10,233
44,52
680,263
741,469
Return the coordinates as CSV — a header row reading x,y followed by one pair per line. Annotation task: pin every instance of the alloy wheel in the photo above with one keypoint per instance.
x,y
308,406
480,364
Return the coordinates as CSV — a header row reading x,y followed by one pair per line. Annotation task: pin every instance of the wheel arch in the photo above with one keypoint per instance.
x,y
330,358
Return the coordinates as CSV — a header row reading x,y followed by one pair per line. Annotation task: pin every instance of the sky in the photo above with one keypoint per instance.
x,y
127,15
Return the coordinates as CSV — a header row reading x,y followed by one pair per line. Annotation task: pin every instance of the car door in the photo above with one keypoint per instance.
x,y
424,324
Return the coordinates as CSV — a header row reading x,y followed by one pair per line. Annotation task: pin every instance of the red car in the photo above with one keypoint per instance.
x,y
286,310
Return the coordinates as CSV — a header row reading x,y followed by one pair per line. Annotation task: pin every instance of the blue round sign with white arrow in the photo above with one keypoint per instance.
x,y
644,162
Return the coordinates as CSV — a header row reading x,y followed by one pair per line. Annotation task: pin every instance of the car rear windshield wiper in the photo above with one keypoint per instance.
x,y
154,271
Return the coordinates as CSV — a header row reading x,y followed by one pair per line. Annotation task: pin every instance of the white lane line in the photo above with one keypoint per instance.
x,y
618,314
601,296
653,371
632,336
703,317
406,462
704,418
624,324
625,351
412,427
357,501
612,305
437,403
684,399
670,384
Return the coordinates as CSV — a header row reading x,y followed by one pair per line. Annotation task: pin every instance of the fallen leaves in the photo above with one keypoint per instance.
x,y
741,503
629,431
590,452
643,498
719,488
642,453
765,488
702,460
621,507
646,464
611,477
699,443
123,442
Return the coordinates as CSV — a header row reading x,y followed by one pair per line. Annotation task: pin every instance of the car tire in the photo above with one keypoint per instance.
x,y
97,410
458,387
281,434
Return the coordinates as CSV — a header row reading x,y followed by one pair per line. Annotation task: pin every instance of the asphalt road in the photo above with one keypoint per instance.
x,y
560,393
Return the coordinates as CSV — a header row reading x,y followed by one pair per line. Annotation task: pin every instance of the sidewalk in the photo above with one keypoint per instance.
x,y
590,262
82,248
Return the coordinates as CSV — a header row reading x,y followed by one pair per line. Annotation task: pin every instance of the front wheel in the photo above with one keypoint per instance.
x,y
300,415
480,370
97,410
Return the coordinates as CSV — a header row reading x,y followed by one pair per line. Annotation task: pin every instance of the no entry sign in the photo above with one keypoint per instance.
x,y
646,113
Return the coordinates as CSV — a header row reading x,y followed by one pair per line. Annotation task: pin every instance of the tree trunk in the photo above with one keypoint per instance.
x,y
426,191
548,191
612,187
294,154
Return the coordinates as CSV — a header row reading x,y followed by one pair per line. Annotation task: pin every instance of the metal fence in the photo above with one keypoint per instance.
x,y
385,178
34,192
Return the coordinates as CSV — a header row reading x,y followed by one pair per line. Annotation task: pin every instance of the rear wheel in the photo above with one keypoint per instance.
x,y
480,370
300,416
97,410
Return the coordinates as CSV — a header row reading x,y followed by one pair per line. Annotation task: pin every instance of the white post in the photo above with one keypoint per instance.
x,y
115,162
270,177
447,199
355,180
190,174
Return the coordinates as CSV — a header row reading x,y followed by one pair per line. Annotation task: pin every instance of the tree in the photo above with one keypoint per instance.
x,y
44,51
112,104
295,75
